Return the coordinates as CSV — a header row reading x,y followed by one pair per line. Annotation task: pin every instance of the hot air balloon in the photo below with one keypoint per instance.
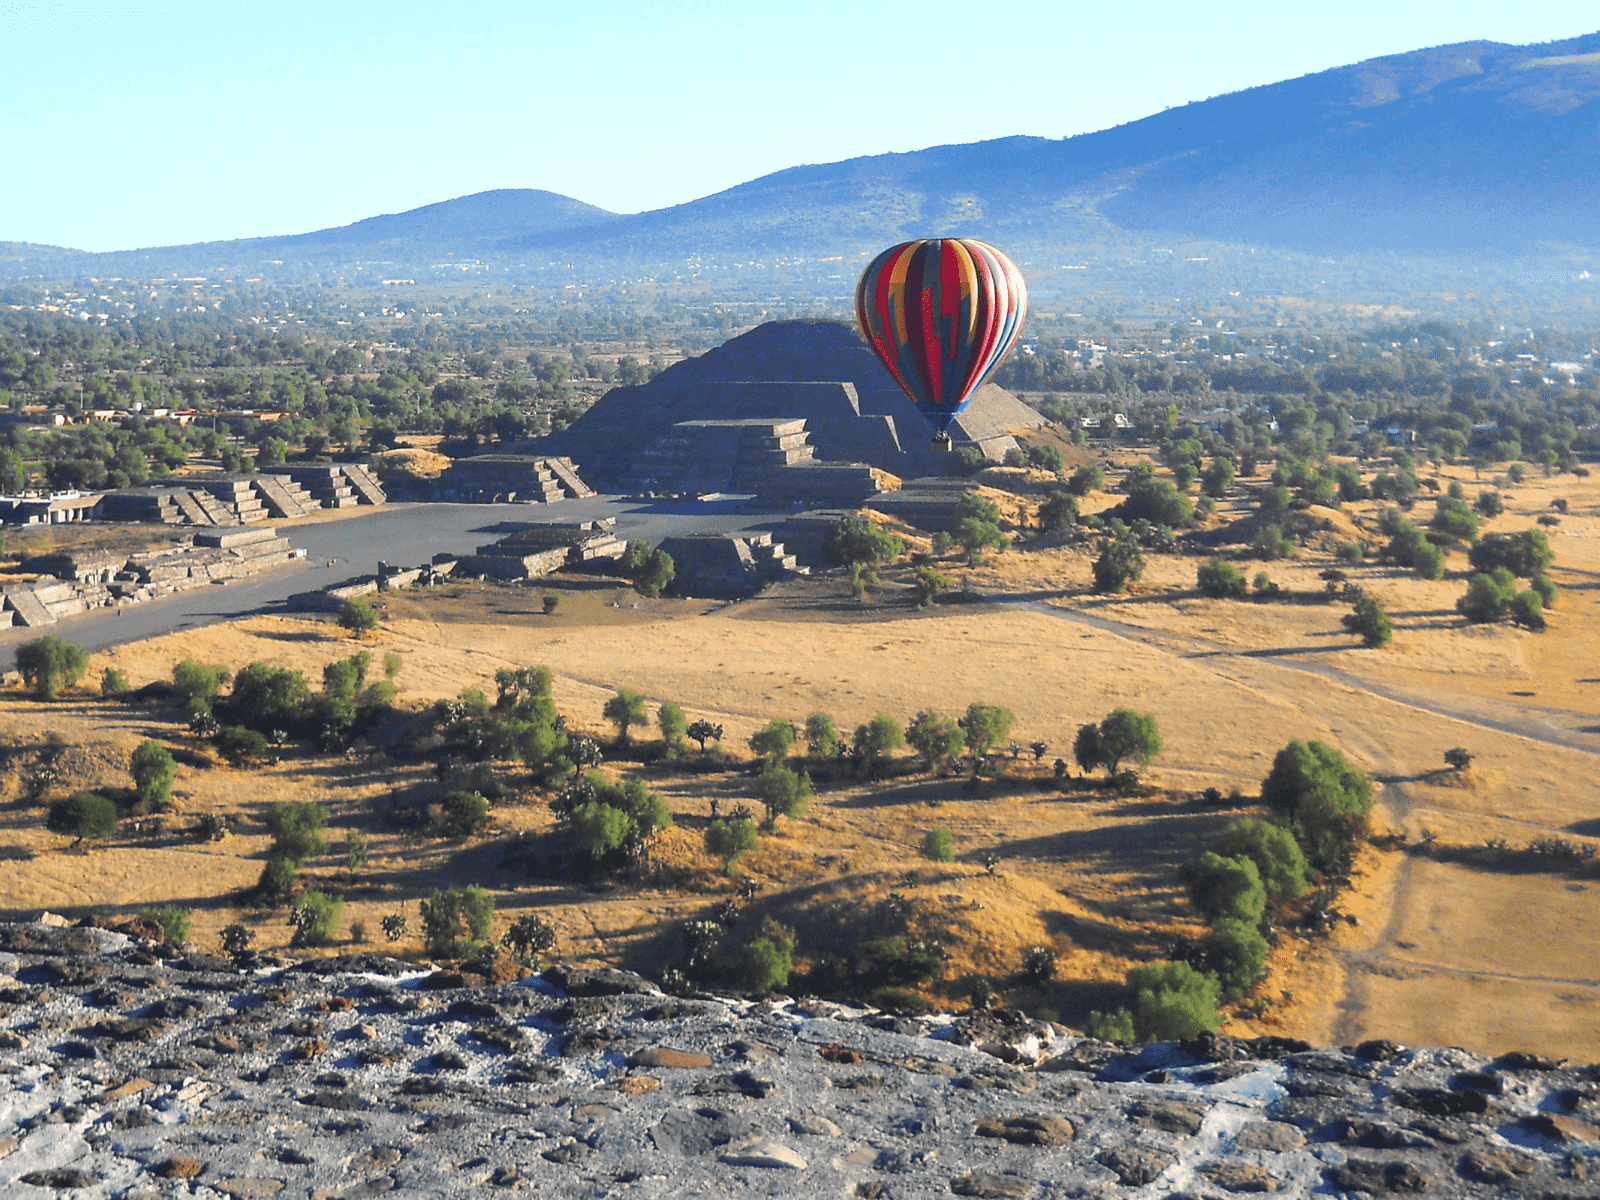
x,y
941,314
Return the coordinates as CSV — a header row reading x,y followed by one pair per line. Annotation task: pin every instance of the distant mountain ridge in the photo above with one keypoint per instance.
x,y
1478,146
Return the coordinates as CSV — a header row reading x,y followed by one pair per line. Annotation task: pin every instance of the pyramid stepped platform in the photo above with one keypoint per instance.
x,y
509,479
152,505
722,566
283,498
365,484
929,504
325,482
237,496
539,550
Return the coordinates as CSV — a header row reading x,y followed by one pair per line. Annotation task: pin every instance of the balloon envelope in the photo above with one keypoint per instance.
x,y
941,314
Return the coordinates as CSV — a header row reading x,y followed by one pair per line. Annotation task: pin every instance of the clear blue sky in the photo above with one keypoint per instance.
x,y
139,123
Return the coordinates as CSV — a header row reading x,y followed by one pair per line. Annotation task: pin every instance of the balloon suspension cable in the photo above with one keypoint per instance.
x,y
942,443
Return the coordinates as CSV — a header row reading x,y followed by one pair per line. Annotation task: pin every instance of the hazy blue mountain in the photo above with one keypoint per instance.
x,y
1464,148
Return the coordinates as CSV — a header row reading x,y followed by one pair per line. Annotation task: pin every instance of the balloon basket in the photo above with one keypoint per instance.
x,y
942,443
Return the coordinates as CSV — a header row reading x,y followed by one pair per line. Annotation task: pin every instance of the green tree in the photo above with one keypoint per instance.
x,y
1058,513
1523,554
1218,477
191,679
1225,887
114,683
856,541
1489,504
767,963
462,814
314,918
271,697
821,738
937,739
774,741
239,745
49,665
357,616
1454,519
1119,563
782,792
939,844
986,726
153,770
82,815
1527,610
1369,622
975,536
1221,581
456,920
1271,544
1321,799
730,841
624,710
1085,480
1488,597
1236,953
1279,862
599,828
296,827
875,739
1172,1002
930,583
1127,734
1156,501
672,722
1086,747
655,575
704,731
175,922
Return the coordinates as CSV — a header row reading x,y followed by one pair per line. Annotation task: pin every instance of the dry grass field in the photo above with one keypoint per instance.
x,y
1449,945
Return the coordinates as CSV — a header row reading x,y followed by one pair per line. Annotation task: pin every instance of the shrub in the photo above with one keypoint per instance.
x,y
1369,622
314,917
1085,480
673,724
1111,1027
1047,458
551,602
774,741
1321,799
356,615
1058,513
1524,554
191,679
1271,544
82,815
1277,857
937,739
1225,887
355,853
1236,953
1119,563
624,710
462,814
1350,552
1220,581
1546,590
1172,1002
1489,504
1488,597
930,584
49,665
1156,501
240,745
902,1002
617,816
1039,965
114,683
782,792
455,920
236,939
153,770
175,922
730,841
1273,503
655,575
1086,747
939,844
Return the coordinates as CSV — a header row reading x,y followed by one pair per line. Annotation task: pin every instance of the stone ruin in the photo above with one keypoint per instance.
x,y
74,582
798,413
505,479
280,492
721,566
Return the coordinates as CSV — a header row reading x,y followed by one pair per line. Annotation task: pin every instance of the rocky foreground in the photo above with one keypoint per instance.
x,y
126,1073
